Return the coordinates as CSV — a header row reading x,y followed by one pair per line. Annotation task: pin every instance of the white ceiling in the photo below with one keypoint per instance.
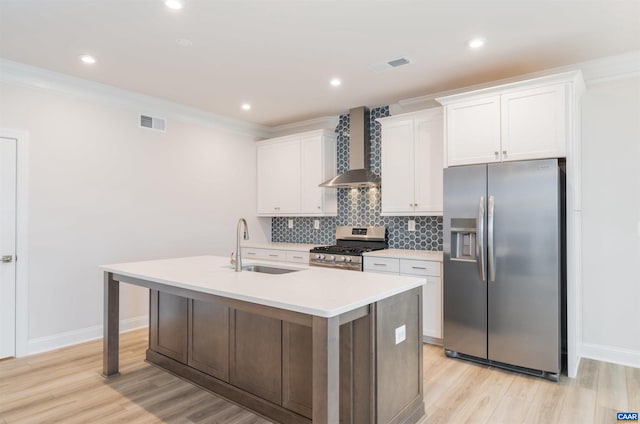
x,y
279,55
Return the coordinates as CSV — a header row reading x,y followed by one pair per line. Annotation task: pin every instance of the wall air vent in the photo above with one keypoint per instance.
x,y
395,63
153,123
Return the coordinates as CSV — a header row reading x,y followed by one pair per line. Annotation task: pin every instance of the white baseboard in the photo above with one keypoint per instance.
x,y
57,341
630,358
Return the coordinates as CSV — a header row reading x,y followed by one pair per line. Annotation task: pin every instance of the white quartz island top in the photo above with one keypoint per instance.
x,y
315,291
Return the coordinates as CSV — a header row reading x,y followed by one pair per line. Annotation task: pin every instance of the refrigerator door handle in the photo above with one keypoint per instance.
x,y
490,246
480,260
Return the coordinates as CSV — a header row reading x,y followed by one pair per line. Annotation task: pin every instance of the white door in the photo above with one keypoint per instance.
x,y
7,247
311,175
429,158
534,123
473,131
397,167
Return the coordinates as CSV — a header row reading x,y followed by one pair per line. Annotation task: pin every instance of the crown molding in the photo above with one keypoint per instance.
x,y
594,71
30,76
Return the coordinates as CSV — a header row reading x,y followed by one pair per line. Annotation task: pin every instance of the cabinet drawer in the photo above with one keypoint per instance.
x,y
382,265
418,267
264,254
298,257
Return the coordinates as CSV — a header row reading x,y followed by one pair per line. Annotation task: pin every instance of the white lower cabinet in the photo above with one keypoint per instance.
x,y
431,291
277,255
388,265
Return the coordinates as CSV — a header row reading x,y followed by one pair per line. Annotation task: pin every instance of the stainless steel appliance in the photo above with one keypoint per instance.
x,y
351,243
503,264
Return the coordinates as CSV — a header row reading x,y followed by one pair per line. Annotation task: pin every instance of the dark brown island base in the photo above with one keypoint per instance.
x,y
353,359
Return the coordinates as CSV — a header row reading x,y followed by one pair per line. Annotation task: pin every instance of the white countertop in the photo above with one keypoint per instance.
x,y
312,290
425,255
298,247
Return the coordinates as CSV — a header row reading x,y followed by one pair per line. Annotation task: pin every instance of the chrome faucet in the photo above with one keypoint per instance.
x,y
238,259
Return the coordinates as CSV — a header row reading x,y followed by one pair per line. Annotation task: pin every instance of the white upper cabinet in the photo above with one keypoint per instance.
x,y
534,123
412,157
519,121
473,131
289,170
279,177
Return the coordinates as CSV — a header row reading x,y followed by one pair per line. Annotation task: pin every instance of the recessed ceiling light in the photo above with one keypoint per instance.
x,y
476,43
88,59
246,106
174,4
335,82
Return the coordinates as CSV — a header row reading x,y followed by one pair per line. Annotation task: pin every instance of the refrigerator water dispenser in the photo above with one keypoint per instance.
x,y
463,239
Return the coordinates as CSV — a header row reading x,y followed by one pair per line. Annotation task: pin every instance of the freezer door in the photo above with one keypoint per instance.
x,y
524,266
465,289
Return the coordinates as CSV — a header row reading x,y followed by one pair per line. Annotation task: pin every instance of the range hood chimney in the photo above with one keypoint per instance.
x,y
359,173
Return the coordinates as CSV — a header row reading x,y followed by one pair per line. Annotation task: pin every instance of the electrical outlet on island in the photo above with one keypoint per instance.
x,y
411,225
290,223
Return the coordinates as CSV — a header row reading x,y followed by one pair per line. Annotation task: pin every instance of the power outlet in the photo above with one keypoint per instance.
x,y
401,334
411,225
290,223
316,224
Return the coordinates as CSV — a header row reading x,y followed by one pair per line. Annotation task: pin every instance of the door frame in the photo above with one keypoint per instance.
x,y
22,258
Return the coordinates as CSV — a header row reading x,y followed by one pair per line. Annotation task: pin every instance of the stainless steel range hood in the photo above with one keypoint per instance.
x,y
359,173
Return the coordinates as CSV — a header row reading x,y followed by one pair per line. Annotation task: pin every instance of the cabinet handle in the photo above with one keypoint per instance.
x,y
272,255
504,153
418,267
297,257
415,204
497,154
319,207
380,264
251,253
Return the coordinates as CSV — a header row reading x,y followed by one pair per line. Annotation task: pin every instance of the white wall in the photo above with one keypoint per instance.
x,y
611,220
102,190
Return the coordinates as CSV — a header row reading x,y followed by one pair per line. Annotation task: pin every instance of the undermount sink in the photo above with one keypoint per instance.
x,y
268,269
264,269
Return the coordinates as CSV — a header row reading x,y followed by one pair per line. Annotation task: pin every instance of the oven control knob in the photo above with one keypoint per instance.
x,y
331,258
320,256
347,258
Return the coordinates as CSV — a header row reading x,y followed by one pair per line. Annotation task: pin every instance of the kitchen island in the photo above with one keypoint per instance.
x,y
310,345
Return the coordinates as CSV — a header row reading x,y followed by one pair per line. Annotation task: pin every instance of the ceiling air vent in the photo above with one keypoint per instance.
x,y
395,63
153,123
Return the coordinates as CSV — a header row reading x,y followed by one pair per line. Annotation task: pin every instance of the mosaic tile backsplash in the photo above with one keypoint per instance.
x,y
361,206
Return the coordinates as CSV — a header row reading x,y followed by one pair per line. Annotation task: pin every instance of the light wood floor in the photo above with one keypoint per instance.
x,y
65,386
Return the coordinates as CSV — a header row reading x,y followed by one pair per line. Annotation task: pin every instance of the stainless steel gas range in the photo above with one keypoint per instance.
x,y
351,243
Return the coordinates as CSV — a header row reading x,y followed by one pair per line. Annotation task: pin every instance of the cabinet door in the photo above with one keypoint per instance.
x,y
432,307
289,177
428,164
278,177
397,166
534,123
168,326
296,369
256,355
311,175
267,178
209,338
473,131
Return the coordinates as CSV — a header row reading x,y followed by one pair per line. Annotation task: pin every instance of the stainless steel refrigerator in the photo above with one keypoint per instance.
x,y
503,264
